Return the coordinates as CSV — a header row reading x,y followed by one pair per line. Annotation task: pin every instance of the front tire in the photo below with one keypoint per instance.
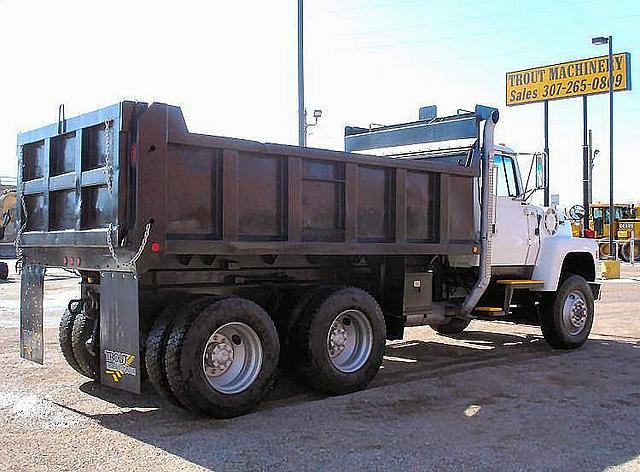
x,y
566,317
338,343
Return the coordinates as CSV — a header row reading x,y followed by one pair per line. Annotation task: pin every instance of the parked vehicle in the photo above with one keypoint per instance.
x,y
206,262
7,231
626,229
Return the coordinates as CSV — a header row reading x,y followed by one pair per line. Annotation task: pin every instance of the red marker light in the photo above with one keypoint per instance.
x,y
71,261
65,261
155,247
77,262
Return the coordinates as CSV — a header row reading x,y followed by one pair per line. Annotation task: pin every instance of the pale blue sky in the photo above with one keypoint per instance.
x,y
232,66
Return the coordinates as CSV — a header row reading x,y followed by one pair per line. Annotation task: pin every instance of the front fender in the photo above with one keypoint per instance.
x,y
552,255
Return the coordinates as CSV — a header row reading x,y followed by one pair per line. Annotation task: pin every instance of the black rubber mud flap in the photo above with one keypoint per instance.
x,y
31,294
119,331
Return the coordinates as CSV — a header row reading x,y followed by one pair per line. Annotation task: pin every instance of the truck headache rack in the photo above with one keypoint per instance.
x,y
429,129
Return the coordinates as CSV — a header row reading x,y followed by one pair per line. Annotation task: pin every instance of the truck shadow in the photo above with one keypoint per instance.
x,y
150,419
404,361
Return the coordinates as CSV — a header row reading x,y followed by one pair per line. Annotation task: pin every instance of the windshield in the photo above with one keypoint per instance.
x,y
618,212
506,181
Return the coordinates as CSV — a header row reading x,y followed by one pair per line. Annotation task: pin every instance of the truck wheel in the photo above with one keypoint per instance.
x,y
338,343
287,362
155,348
174,346
85,348
454,326
65,333
223,360
604,250
625,252
567,317
4,271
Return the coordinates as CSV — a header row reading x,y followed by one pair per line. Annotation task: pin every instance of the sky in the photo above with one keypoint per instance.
x,y
231,66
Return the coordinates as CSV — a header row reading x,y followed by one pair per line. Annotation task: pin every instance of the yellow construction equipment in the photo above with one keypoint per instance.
x,y
7,216
610,269
7,213
626,228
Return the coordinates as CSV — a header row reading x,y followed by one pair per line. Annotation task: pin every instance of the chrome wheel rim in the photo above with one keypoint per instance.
x,y
575,312
232,358
349,340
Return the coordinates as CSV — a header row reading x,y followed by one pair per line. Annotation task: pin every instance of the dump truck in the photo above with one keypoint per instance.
x,y
209,263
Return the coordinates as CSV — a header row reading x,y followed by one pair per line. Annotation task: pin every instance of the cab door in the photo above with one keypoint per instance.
x,y
516,234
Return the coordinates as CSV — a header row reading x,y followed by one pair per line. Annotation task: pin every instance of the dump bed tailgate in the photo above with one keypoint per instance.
x,y
73,179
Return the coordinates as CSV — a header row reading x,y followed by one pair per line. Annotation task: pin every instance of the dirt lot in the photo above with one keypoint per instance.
x,y
495,396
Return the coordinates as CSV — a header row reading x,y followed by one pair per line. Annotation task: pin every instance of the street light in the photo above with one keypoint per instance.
x,y
599,41
317,114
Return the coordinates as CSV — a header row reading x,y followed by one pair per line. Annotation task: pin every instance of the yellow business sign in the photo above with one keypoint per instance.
x,y
568,79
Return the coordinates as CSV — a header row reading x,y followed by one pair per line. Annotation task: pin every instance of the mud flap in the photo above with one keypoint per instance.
x,y
31,294
119,331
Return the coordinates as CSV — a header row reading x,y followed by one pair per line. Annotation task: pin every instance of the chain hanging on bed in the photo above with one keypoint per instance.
x,y
108,168
23,216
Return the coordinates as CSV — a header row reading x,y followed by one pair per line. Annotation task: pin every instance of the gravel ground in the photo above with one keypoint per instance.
x,y
493,397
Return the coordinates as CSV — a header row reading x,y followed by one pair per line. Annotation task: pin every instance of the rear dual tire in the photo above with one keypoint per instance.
x,y
453,326
65,336
219,355
85,341
156,344
337,344
76,335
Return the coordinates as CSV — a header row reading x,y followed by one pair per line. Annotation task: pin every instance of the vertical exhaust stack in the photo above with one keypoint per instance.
x,y
486,215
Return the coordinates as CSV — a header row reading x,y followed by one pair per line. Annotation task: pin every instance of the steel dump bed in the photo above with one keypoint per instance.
x,y
91,185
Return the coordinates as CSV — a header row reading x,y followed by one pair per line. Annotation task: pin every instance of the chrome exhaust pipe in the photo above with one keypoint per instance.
x,y
486,218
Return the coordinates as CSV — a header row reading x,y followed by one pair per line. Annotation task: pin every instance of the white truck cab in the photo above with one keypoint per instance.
x,y
527,267
532,240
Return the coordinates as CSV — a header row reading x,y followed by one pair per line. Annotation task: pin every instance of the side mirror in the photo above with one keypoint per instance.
x,y
540,170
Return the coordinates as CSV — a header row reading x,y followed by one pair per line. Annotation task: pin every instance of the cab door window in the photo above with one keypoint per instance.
x,y
506,182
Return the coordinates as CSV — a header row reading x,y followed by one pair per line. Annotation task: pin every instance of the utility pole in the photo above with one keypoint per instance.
x,y
590,167
546,153
585,166
302,119
611,208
